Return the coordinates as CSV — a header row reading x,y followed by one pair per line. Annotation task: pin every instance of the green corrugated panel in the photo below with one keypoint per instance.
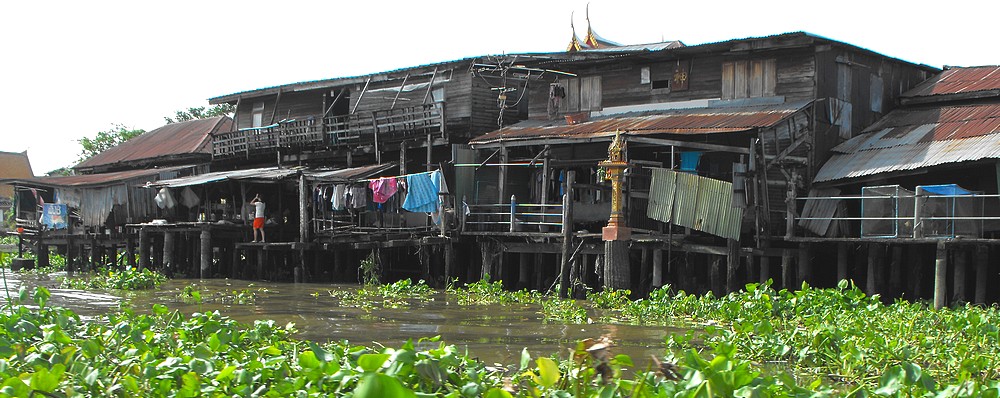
x,y
703,204
661,195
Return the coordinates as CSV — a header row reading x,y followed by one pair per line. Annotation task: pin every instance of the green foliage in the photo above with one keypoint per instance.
x,y
200,112
107,139
191,294
370,270
484,292
399,294
129,279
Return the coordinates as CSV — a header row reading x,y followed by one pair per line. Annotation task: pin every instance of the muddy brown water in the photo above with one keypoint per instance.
x,y
494,333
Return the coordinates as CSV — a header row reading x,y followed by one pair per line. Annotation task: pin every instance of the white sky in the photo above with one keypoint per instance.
x,y
72,68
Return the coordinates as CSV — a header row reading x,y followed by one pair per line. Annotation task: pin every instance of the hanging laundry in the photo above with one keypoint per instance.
x,y
422,195
339,198
383,189
164,199
189,198
359,197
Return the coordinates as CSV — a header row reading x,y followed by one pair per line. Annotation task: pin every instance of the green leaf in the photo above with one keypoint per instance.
x,y
308,360
624,360
372,362
497,393
374,385
548,372
525,359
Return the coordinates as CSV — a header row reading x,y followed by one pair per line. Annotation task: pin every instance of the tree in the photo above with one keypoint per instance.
x,y
107,139
199,112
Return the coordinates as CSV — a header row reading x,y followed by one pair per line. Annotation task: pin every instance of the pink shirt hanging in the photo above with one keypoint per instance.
x,y
383,189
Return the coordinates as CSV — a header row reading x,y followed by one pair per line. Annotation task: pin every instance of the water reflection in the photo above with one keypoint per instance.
x,y
493,333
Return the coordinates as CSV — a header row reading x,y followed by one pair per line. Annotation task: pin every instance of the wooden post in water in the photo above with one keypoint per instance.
x,y
449,261
70,265
765,268
523,270
915,273
982,269
732,263
961,265
896,271
715,276
130,250
168,250
206,252
842,261
805,264
871,285
787,271
303,209
567,235
657,269
941,276
143,248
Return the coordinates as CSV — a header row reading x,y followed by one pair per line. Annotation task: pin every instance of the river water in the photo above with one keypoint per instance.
x,y
495,333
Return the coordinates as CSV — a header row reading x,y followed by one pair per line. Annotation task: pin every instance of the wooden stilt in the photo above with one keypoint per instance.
x,y
657,268
130,251
523,272
168,250
842,261
896,271
961,265
787,271
804,264
143,248
982,271
645,271
941,276
732,264
616,265
206,253
449,261
70,253
915,273
871,285
715,282
765,269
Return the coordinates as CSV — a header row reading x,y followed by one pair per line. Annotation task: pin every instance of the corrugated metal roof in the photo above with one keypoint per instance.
x,y
958,81
681,121
275,174
91,180
637,47
172,140
910,139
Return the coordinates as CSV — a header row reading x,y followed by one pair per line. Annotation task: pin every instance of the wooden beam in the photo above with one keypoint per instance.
x,y
362,95
274,111
401,86
430,86
687,144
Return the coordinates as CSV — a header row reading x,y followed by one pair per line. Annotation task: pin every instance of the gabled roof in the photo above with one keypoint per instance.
x,y
13,165
957,84
190,140
909,139
695,121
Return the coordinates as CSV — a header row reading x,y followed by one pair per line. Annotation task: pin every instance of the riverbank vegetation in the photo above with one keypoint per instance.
x,y
53,352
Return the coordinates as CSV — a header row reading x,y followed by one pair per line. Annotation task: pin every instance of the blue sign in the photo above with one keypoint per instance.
x,y
54,216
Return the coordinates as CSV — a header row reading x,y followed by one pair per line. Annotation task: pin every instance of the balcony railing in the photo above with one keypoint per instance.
x,y
391,125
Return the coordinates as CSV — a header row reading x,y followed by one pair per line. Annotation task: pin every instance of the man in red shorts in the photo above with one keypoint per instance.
x,y
258,218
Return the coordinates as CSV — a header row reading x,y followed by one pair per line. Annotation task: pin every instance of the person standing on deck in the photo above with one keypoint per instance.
x,y
258,218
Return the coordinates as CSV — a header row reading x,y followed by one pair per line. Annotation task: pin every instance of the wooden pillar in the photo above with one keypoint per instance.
x,y
982,272
523,272
502,177
732,264
715,276
70,263
168,250
787,271
616,265
805,264
645,271
449,261
303,209
425,262
206,252
915,274
129,251
657,268
874,271
842,261
765,268
430,151
143,248
896,271
95,252
567,235
961,265
402,158
941,276
298,274
487,260
261,259
539,271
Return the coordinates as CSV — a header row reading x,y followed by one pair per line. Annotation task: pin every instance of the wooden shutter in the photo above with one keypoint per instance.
x,y
728,80
740,82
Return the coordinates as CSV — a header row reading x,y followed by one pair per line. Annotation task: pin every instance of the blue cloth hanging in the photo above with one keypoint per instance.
x,y
689,161
422,193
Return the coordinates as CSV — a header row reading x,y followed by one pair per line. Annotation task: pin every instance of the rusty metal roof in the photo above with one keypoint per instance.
x,y
908,139
711,120
171,141
959,81
90,180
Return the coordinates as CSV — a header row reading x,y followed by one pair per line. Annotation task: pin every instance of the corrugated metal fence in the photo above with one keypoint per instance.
x,y
700,203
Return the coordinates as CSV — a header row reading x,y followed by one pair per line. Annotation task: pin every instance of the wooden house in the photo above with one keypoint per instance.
x,y
755,116
12,165
918,184
109,192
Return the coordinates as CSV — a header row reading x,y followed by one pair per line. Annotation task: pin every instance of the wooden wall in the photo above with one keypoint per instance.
x,y
292,105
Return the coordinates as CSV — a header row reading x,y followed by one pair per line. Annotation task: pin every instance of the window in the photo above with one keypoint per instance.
x,y
583,94
747,79
258,114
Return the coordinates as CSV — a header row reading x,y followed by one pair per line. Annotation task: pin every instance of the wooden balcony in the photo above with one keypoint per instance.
x,y
379,127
